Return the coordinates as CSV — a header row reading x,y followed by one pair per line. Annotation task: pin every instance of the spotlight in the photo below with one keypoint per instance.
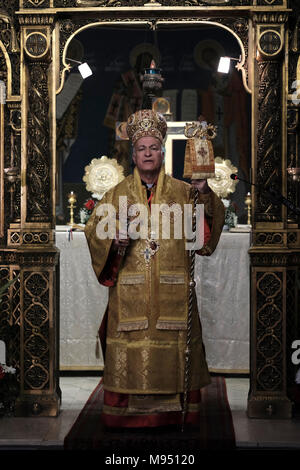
x,y
224,64
84,69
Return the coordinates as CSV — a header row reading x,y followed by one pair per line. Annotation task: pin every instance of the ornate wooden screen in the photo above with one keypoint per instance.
x,y
34,36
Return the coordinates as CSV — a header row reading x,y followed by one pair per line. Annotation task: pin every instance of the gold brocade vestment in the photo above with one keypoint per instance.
x,y
148,306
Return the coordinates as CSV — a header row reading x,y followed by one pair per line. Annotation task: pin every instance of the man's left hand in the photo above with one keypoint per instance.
x,y
201,185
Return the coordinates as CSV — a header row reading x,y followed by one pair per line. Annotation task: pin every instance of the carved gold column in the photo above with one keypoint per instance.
x,y
293,193
35,253
10,168
270,255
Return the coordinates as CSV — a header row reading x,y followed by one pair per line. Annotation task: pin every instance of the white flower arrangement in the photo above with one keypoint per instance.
x,y
226,202
84,215
230,213
7,369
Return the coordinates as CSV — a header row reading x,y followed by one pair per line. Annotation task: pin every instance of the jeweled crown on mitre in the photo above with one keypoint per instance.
x,y
146,123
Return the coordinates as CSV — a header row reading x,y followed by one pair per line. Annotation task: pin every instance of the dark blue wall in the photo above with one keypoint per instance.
x,y
101,47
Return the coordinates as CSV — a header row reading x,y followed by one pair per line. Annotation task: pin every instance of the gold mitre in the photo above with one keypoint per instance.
x,y
146,123
199,160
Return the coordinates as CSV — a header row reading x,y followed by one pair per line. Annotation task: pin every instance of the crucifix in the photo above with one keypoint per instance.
x,y
202,152
152,246
36,44
147,254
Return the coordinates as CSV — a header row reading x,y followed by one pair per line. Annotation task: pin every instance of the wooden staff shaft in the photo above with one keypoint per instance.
x,y
189,319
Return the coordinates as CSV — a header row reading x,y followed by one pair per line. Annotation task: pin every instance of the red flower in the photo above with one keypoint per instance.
x,y
2,373
90,204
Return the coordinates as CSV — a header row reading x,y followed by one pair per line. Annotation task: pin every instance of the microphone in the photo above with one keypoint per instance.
x,y
276,197
235,177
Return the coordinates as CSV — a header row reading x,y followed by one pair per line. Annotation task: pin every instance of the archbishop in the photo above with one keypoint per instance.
x,y
144,330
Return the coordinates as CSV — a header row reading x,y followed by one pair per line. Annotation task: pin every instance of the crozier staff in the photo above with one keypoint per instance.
x,y
143,333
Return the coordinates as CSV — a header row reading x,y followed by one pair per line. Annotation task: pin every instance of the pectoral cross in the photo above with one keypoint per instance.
x,y
147,254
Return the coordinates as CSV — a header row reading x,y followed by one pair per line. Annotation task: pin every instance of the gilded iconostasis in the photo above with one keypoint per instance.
x,y
53,124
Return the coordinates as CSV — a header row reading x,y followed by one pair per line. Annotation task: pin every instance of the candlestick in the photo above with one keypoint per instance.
x,y
248,204
72,199
12,176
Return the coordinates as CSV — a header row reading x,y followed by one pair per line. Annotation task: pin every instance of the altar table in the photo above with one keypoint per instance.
x,y
222,287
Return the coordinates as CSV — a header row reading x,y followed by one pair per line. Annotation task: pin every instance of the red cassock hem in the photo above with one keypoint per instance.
x,y
120,400
142,421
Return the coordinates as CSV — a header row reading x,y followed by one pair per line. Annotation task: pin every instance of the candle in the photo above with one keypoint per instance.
x,y
153,70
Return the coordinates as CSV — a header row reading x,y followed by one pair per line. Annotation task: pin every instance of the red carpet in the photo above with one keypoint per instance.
x,y
215,429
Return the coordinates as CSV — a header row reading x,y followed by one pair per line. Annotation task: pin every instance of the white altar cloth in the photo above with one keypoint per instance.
x,y
223,294
222,287
82,304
